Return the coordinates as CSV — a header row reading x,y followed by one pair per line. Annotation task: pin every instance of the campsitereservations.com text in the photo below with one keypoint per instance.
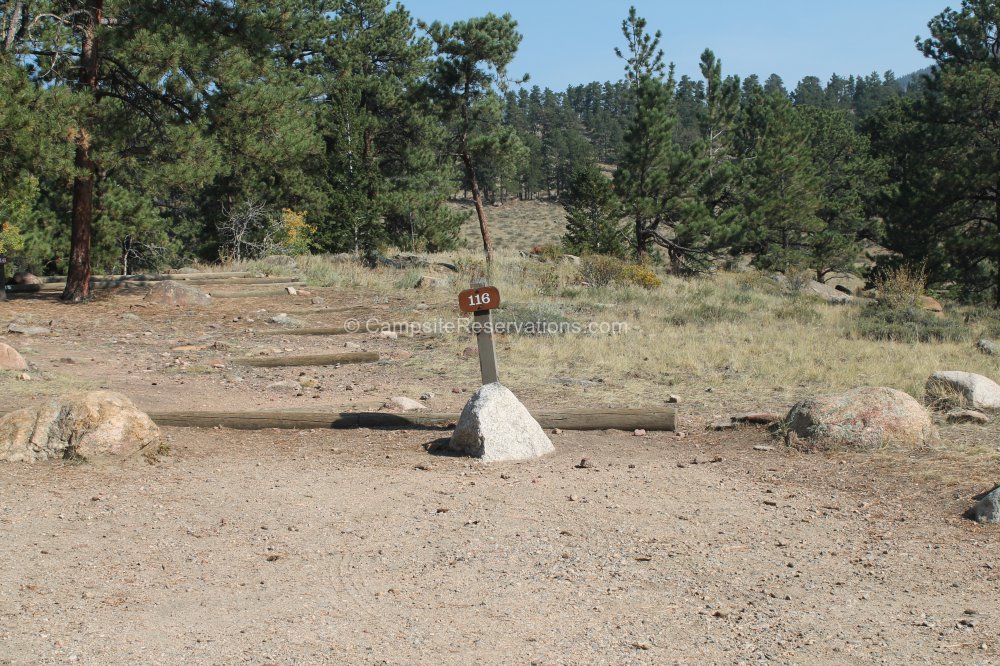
x,y
442,326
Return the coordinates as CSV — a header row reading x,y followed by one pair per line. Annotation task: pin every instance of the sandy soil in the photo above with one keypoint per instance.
x,y
310,547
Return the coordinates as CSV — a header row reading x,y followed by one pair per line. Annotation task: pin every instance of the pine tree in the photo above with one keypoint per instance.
x,y
779,186
944,144
471,65
593,215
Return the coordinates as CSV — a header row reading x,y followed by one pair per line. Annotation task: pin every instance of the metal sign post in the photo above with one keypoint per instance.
x,y
480,300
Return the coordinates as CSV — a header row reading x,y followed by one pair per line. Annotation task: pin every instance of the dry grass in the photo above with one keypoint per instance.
x,y
516,225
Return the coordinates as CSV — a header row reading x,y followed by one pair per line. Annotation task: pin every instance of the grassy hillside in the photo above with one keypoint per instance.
x,y
516,225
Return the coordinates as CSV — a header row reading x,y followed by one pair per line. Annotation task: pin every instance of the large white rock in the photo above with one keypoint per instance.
x,y
494,425
10,359
979,392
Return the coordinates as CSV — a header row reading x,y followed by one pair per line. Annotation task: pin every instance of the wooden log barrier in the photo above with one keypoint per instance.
x,y
318,359
335,330
582,419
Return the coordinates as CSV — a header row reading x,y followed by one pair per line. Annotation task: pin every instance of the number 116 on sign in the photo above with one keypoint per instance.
x,y
479,299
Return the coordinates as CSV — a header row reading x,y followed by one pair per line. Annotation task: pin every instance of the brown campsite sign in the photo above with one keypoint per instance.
x,y
479,299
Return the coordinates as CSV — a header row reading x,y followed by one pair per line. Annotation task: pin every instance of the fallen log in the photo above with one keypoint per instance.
x,y
335,330
318,359
583,419
253,294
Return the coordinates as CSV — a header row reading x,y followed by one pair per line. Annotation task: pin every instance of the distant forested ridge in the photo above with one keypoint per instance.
x,y
139,135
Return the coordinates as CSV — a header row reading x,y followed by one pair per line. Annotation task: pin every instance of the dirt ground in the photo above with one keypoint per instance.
x,y
311,547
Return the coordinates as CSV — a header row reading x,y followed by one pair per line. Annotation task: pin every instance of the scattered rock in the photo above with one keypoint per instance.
x,y
170,292
967,416
585,464
723,425
283,319
557,431
977,391
987,508
404,404
24,377
24,329
10,359
863,418
389,335
761,447
931,305
24,277
352,345
285,385
674,399
128,316
431,282
317,300
494,425
77,425
571,259
426,396
988,347
470,352
291,291
304,293
638,432
757,418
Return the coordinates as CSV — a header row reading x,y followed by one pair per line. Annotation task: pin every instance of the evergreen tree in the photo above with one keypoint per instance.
x,y
472,63
944,145
657,180
593,215
779,187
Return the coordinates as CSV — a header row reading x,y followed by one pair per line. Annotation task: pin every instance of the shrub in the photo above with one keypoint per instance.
x,y
548,252
704,313
602,271
530,319
907,324
900,287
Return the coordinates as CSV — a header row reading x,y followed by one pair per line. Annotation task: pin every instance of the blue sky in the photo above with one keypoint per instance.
x,y
569,42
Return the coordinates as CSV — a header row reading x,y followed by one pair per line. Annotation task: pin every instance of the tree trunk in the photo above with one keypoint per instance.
x,y
640,240
3,282
477,199
78,276
16,19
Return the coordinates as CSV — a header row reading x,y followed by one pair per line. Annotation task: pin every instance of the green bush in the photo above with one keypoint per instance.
x,y
907,324
704,314
530,319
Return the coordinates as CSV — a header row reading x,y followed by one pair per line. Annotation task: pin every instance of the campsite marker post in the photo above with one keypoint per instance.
x,y
479,300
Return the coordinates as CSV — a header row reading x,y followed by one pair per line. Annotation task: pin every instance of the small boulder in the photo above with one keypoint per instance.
x,y
494,426
170,292
24,277
967,416
431,282
283,319
863,419
25,329
318,300
988,347
987,508
77,425
291,291
284,385
10,359
976,391
404,404
931,304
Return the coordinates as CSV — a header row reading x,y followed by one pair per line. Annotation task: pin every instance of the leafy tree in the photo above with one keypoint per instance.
x,y
593,215
472,64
